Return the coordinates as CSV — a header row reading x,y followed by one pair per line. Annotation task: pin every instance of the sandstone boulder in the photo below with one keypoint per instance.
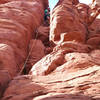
x,y
43,34
65,20
94,33
58,58
72,70
83,84
4,80
22,88
36,52
18,20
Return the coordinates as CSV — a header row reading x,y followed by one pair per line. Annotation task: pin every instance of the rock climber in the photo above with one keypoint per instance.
x,y
47,15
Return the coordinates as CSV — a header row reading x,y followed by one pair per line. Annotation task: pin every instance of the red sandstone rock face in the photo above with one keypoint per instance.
x,y
72,70
94,33
63,56
84,12
43,33
81,84
18,19
36,52
4,80
18,22
66,25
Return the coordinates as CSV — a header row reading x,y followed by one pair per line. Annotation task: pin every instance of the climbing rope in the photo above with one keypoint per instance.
x,y
29,54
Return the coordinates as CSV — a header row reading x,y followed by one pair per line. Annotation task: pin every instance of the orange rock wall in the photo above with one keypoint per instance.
x,y
72,70
66,24
18,21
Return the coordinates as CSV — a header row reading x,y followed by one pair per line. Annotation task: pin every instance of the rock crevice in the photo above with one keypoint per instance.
x,y
64,63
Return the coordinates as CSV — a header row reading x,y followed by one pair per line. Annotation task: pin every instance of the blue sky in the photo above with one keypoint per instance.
x,y
52,3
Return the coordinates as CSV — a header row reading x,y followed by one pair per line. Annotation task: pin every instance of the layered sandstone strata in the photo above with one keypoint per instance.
x,y
72,70
19,20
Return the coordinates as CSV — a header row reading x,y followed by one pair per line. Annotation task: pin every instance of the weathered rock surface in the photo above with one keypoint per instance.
x,y
43,33
80,84
71,74
94,33
72,70
4,80
38,47
18,22
36,52
18,19
66,25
